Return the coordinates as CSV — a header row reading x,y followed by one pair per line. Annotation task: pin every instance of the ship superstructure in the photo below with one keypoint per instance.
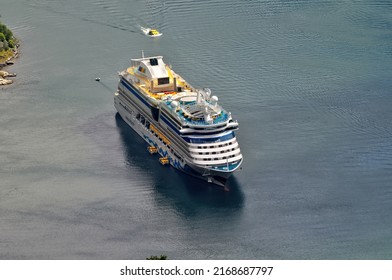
x,y
185,125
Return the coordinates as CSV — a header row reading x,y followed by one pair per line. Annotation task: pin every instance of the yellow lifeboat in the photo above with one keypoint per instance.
x,y
152,150
164,160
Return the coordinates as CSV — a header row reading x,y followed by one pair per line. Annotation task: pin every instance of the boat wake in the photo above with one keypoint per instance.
x,y
119,19
149,31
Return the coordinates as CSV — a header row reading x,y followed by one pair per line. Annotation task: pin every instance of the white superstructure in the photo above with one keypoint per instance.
x,y
185,125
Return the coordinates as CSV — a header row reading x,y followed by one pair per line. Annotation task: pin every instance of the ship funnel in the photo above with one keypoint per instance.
x,y
208,92
174,105
198,99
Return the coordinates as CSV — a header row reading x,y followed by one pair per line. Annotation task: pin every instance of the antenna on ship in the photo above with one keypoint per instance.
x,y
142,54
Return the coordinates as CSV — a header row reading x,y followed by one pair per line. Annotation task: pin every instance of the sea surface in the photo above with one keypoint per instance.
x,y
310,83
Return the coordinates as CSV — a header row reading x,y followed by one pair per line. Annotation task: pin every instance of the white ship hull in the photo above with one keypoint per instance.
x,y
186,126
206,174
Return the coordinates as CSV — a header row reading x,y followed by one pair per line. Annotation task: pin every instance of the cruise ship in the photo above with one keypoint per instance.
x,y
184,125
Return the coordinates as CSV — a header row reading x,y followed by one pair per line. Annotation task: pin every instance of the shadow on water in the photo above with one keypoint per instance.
x,y
171,185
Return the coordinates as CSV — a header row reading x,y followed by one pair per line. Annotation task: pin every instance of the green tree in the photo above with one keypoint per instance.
x,y
6,32
11,43
161,257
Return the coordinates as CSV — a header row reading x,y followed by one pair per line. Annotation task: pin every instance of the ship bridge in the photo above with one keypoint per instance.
x,y
154,70
151,67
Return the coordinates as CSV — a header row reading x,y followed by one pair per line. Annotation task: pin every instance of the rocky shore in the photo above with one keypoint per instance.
x,y
8,51
4,74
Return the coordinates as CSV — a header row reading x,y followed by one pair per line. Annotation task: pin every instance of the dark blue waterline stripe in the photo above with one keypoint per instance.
x,y
176,123
198,140
208,140
165,120
134,92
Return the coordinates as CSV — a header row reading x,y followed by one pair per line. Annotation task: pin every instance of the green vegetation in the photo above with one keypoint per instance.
x,y
161,257
7,43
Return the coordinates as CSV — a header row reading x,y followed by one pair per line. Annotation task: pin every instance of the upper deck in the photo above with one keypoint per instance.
x,y
155,79
165,88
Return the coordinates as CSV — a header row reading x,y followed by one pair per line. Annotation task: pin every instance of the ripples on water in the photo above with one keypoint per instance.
x,y
309,82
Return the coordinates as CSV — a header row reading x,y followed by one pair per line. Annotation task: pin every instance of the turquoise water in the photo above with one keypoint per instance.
x,y
309,82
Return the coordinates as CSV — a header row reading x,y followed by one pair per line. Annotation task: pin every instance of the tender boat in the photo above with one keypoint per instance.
x,y
150,32
185,125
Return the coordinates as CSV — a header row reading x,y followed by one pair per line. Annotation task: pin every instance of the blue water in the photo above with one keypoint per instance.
x,y
309,82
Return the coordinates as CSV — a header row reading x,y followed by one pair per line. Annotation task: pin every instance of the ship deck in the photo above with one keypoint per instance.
x,y
144,84
183,115
184,110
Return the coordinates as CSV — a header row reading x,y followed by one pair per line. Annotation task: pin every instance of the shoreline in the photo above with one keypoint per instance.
x,y
9,61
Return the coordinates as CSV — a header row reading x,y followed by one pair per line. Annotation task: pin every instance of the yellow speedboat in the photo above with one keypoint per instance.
x,y
150,32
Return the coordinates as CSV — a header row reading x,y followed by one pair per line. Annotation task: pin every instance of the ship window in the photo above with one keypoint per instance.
x,y
142,69
163,81
153,61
